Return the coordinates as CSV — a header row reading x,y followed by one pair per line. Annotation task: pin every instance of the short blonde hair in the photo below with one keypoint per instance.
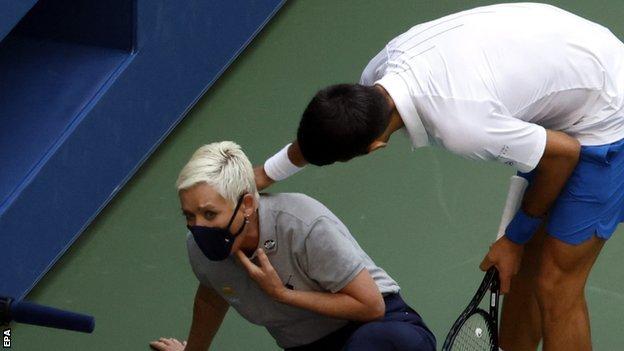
x,y
222,165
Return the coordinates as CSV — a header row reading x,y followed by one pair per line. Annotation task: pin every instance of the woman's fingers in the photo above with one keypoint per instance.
x,y
254,271
264,260
242,258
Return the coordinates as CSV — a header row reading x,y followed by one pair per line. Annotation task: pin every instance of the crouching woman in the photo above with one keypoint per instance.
x,y
283,261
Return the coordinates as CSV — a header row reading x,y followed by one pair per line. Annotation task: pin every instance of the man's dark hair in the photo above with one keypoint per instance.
x,y
341,122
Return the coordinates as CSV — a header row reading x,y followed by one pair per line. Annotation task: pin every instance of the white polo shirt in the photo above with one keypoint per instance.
x,y
484,83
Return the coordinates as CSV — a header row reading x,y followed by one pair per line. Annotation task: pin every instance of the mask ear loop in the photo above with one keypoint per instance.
x,y
238,205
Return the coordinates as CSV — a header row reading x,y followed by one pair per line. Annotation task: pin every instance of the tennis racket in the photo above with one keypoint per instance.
x,y
476,329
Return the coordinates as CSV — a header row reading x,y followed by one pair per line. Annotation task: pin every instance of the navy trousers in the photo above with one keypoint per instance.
x,y
401,329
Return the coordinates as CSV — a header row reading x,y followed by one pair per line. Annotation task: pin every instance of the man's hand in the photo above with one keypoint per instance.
x,y
506,256
264,274
168,344
263,181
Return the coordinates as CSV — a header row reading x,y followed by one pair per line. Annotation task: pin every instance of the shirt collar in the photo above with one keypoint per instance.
x,y
267,238
399,91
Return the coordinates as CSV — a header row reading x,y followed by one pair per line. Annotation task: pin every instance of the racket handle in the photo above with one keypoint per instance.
x,y
517,187
31,313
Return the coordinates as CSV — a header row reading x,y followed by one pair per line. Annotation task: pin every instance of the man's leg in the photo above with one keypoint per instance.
x,y
521,327
562,275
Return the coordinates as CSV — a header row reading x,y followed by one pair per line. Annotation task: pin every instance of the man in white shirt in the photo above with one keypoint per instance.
x,y
528,85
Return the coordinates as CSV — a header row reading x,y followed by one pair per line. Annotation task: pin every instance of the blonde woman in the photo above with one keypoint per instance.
x,y
283,261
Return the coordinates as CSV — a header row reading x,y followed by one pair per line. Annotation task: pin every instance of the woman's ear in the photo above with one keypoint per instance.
x,y
249,202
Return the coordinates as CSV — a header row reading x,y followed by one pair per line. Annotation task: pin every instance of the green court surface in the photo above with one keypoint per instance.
x,y
425,216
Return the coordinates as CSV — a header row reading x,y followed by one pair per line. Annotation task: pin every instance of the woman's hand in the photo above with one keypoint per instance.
x,y
264,275
168,344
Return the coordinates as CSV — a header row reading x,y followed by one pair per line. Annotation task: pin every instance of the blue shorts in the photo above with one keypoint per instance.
x,y
592,201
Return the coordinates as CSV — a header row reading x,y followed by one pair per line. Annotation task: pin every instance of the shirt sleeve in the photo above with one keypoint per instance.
x,y
333,260
374,69
482,130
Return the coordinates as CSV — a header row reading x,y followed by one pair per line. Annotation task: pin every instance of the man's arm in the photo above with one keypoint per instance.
x,y
208,311
295,157
263,181
560,157
359,300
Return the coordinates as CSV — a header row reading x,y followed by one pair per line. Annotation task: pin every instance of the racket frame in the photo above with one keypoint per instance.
x,y
489,283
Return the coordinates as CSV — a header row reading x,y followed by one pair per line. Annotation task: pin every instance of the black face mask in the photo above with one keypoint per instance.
x,y
216,243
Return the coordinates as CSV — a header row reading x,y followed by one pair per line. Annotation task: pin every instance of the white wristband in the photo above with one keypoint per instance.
x,y
279,166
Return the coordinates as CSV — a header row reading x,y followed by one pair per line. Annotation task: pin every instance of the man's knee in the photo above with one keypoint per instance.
x,y
391,336
558,288
564,269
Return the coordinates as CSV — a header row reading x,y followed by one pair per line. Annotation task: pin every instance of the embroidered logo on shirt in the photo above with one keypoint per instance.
x,y
269,244
228,291
503,152
504,156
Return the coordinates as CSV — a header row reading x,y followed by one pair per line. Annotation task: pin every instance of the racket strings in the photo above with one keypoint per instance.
x,y
474,335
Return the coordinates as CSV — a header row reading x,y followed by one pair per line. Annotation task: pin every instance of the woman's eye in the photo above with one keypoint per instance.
x,y
209,215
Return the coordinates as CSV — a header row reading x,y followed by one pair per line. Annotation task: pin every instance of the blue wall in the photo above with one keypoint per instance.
x,y
109,107
11,11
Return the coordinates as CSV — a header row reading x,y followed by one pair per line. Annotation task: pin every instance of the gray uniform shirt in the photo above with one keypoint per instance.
x,y
311,250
